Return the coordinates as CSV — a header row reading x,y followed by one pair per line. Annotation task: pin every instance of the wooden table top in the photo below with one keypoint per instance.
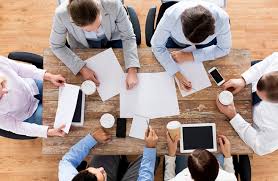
x,y
196,108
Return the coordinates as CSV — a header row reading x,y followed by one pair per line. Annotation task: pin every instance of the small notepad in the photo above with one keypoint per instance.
x,y
138,127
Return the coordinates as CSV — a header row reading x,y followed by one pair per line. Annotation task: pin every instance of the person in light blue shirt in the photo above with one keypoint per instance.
x,y
201,28
105,168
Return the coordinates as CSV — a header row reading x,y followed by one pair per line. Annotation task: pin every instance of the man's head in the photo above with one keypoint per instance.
x,y
91,174
203,166
197,24
85,14
267,87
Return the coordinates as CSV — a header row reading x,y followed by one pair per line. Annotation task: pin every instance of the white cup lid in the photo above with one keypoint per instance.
x,y
107,120
226,97
88,87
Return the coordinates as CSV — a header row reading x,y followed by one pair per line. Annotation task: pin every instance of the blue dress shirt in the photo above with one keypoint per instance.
x,y
77,153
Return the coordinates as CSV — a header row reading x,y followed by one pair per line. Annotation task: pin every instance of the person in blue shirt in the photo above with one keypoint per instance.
x,y
105,168
200,28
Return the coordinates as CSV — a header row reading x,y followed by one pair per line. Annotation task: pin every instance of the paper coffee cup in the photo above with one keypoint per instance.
x,y
173,128
226,98
88,87
107,121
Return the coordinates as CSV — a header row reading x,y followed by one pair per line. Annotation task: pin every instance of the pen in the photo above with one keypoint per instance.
x,y
148,130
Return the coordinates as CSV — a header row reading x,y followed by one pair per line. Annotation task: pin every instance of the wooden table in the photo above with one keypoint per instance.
x,y
197,108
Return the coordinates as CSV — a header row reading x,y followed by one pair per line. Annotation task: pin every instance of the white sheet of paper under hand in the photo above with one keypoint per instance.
x,y
154,97
66,106
138,127
196,73
109,73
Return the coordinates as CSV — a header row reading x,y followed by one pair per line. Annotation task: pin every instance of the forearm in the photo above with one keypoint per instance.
x,y
210,53
130,54
170,167
146,171
79,151
228,165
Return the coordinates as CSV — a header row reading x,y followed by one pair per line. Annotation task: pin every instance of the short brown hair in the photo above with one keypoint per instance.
x,y
85,175
269,84
203,166
83,12
197,24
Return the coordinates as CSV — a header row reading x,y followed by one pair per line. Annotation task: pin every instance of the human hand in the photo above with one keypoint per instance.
x,y
180,56
56,80
183,82
101,136
89,74
236,84
229,111
131,79
151,138
172,145
56,131
225,146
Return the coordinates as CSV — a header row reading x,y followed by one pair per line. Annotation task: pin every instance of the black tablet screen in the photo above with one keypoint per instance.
x,y
197,137
78,109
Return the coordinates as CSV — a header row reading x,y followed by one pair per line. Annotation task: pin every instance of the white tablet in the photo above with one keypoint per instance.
x,y
198,136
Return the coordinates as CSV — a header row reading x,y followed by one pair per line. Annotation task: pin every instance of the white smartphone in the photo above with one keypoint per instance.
x,y
217,77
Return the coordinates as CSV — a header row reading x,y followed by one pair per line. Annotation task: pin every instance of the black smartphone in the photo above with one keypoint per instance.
x,y
121,128
217,77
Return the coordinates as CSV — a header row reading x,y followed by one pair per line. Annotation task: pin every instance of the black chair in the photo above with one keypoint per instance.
x,y
135,23
31,58
242,167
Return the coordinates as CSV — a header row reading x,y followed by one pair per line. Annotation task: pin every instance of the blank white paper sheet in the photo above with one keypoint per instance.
x,y
138,127
154,97
68,96
109,73
196,73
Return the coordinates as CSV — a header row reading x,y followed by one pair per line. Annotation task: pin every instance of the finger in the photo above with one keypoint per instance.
x,y
5,91
176,138
96,77
228,84
221,143
237,90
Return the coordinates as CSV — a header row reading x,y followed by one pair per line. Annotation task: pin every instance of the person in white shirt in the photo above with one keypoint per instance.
x,y
201,28
21,98
201,165
262,135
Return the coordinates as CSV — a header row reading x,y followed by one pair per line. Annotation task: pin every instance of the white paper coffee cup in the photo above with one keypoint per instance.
x,y
173,128
107,121
88,87
226,98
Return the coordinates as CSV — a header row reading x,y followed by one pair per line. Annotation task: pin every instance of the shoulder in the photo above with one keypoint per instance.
x,y
62,10
111,5
225,176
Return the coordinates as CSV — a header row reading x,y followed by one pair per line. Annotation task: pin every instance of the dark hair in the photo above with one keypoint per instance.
x,y
197,24
85,175
269,84
83,12
203,166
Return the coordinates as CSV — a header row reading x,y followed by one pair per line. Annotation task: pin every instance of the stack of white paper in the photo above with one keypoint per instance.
x,y
109,73
66,106
194,72
155,96
139,126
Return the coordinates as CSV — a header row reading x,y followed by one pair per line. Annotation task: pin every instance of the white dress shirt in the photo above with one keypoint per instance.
x,y
19,103
170,26
223,175
262,136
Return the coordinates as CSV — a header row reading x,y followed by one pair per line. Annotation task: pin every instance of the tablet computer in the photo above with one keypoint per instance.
x,y
198,136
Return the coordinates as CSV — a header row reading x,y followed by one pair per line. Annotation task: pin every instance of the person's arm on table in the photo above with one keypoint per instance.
x,y
76,154
253,138
67,56
146,171
225,147
170,159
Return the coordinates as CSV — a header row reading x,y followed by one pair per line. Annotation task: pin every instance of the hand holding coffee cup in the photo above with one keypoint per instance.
x,y
173,128
225,103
